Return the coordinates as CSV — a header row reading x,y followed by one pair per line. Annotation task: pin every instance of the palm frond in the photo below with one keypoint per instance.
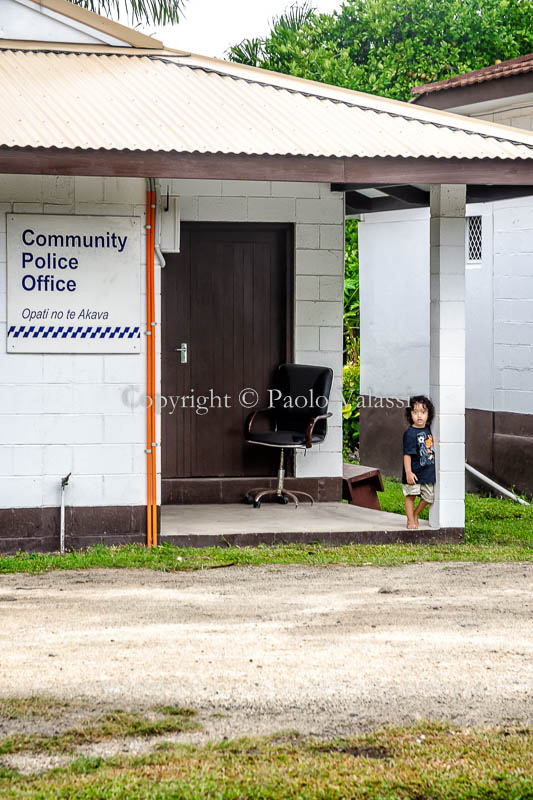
x,y
249,51
150,12
294,17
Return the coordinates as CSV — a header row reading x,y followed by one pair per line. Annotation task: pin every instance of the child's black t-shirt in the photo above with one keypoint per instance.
x,y
418,443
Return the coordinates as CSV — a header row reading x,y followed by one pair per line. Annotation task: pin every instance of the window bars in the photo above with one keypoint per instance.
x,y
473,236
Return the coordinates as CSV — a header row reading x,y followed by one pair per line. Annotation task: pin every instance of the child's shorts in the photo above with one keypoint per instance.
x,y
425,490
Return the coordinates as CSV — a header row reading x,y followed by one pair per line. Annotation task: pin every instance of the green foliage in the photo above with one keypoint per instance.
x,y
149,12
351,370
308,50
248,51
350,409
385,47
351,290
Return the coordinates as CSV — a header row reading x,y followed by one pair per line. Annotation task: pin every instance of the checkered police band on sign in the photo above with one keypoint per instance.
x,y
73,284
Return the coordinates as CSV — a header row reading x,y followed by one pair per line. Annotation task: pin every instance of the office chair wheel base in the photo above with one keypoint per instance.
x,y
284,501
257,503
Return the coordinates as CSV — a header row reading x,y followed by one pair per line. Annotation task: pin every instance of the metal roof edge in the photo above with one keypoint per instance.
x,y
71,48
340,93
78,149
291,83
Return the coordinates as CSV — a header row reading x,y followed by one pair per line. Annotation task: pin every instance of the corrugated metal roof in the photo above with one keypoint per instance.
x,y
505,69
158,102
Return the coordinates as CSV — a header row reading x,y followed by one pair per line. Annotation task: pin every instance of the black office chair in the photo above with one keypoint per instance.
x,y
299,413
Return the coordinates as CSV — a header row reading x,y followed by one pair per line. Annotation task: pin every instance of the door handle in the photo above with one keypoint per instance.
x,y
183,351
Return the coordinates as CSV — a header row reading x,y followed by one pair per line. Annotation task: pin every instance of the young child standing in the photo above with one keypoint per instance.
x,y
418,474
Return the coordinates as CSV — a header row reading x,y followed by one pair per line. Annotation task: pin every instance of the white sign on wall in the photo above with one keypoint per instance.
x,y
73,284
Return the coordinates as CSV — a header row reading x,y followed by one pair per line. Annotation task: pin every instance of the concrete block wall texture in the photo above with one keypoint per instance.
x,y
513,306
499,307
318,217
513,116
447,352
479,327
512,289
62,413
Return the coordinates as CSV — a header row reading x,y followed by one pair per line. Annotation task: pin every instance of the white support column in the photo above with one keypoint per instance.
x,y
447,351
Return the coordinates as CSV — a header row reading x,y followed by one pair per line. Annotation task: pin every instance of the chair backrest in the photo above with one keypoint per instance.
x,y
301,392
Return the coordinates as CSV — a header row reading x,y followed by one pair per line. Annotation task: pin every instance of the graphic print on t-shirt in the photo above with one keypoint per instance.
x,y
426,449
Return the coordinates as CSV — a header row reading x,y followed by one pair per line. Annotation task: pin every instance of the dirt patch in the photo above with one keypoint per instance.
x,y
323,650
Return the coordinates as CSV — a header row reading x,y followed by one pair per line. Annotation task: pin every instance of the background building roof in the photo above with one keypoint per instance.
x,y
504,69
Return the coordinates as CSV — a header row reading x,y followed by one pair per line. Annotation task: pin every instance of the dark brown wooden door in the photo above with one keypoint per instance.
x,y
226,295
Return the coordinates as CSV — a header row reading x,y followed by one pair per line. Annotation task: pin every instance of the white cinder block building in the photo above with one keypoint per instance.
x,y
498,294
152,200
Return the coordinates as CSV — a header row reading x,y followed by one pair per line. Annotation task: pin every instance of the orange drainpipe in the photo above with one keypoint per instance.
x,y
152,406
151,490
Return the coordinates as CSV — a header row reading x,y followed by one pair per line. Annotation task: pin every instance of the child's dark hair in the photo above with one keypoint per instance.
x,y
423,401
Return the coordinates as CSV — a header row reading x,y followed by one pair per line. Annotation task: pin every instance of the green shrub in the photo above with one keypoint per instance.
x,y
351,369
351,289
350,410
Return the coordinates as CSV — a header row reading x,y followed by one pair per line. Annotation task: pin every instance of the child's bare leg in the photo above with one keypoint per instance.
x,y
422,504
410,511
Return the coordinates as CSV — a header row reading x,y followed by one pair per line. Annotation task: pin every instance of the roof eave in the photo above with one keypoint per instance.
x,y
459,96
88,49
231,166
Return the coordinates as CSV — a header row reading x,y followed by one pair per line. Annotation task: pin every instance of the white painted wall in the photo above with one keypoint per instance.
x,y
512,283
503,313
318,216
513,306
65,413
499,306
513,287
447,350
499,297
394,293
516,115
479,321
30,21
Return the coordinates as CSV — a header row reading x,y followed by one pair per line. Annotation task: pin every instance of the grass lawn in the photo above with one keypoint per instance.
x,y
496,530
427,761
422,762
488,520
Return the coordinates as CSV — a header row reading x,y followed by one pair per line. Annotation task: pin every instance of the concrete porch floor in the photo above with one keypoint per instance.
x,y
329,523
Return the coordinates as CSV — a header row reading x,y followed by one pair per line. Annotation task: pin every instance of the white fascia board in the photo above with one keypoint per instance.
x,y
497,106
28,20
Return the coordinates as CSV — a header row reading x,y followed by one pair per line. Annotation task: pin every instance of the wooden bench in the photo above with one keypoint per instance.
x,y
360,485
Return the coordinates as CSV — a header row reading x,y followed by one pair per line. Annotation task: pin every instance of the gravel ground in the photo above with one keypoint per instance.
x,y
324,650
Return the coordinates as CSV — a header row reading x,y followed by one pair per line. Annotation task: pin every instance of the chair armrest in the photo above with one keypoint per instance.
x,y
311,426
250,419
